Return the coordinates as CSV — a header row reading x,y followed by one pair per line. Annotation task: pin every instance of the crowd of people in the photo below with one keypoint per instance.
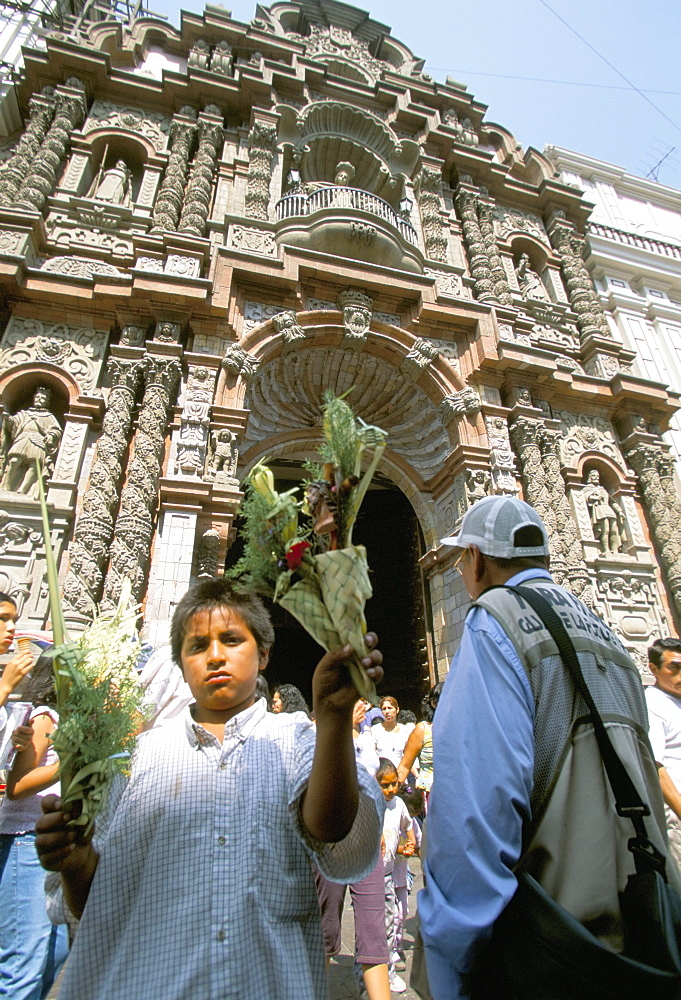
x,y
220,865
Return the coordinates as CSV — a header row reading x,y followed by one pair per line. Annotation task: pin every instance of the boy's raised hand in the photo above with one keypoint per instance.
x,y
62,849
332,689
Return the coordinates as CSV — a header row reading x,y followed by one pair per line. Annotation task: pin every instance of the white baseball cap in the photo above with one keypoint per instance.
x,y
491,525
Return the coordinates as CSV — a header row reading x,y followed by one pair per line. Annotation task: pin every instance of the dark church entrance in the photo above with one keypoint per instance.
x,y
388,527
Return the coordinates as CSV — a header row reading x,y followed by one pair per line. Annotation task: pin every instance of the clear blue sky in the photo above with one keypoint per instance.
x,y
591,109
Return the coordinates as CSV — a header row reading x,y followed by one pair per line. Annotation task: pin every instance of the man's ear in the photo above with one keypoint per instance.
x,y
478,564
264,659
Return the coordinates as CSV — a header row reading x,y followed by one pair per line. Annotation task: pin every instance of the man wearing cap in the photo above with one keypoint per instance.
x,y
516,771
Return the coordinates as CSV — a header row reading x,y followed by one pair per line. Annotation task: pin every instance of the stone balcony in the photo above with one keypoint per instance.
x,y
348,222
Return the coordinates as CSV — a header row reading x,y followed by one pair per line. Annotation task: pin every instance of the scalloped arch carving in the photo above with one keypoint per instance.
x,y
288,395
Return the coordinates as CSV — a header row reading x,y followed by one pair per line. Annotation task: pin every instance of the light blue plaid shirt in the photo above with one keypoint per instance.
x,y
204,889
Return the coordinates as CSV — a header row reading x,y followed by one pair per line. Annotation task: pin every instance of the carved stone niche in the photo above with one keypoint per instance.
x,y
629,600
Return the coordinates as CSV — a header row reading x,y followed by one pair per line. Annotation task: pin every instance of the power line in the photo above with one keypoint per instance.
x,y
614,68
540,79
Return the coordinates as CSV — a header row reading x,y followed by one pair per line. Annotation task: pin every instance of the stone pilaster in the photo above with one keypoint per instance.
x,y
568,561
654,467
261,145
200,186
570,246
41,114
481,269
168,203
89,550
41,176
134,526
428,189
502,292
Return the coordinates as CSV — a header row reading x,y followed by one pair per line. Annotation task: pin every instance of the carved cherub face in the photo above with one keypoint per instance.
x,y
224,436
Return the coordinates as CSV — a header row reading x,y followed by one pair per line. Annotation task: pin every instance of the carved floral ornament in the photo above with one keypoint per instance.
x,y
328,44
152,126
77,350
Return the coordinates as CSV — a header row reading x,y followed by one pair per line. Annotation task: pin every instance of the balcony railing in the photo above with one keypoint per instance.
x,y
634,240
295,205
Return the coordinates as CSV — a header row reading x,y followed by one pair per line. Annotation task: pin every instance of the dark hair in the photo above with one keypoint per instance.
x,y
385,766
218,594
661,646
262,690
38,686
6,599
429,703
405,716
291,699
413,800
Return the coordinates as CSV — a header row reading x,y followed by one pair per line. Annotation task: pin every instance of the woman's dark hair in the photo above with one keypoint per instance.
x,y
38,686
429,703
291,699
385,766
405,716
413,800
262,690
6,599
216,595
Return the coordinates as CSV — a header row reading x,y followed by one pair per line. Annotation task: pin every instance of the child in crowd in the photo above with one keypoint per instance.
x,y
399,840
13,672
198,882
32,950
413,800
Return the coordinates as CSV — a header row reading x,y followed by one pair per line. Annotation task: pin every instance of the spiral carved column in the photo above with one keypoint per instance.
x,y
169,200
591,319
475,244
41,178
200,187
134,527
89,550
42,112
525,436
502,291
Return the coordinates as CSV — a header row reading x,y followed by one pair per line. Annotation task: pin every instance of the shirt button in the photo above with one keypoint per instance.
x,y
223,766
221,841
221,935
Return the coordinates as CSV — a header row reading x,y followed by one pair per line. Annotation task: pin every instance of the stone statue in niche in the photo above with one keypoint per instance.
x,y
607,521
225,454
529,282
29,434
113,185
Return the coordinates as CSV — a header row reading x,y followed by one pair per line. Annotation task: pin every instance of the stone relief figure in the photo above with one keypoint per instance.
x,y
477,484
113,185
606,520
225,454
29,434
529,282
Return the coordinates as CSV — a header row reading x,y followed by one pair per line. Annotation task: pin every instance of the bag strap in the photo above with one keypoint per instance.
x,y
627,800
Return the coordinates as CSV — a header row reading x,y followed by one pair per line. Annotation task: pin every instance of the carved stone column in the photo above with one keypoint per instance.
x,y
42,112
428,189
134,527
569,558
200,187
261,143
502,292
478,255
655,469
168,203
584,300
42,174
89,550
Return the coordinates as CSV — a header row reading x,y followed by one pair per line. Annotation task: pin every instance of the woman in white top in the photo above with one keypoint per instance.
x,y
390,736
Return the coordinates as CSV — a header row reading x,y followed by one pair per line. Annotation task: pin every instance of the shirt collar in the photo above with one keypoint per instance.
x,y
241,726
528,574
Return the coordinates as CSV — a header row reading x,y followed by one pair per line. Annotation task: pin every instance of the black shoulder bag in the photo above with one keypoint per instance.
x,y
539,951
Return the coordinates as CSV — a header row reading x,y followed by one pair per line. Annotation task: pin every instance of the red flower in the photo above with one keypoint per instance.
x,y
295,554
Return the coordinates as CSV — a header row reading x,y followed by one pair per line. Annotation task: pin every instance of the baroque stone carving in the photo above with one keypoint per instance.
x,y
80,267
261,143
510,220
89,550
239,363
256,313
446,283
134,526
585,433
194,421
286,324
584,300
500,285
78,350
357,309
113,186
221,59
463,128
221,467
326,43
168,205
420,357
167,332
153,126
530,284
428,188
30,434
199,55
607,519
466,400
200,186
478,482
41,177
41,111
207,555
478,256
251,240
502,460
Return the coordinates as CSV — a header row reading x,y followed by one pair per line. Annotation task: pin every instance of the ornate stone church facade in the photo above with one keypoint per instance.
x,y
203,229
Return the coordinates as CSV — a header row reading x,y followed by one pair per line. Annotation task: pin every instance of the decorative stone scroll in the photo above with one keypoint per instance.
x,y
153,126
420,357
77,350
357,309
261,144
467,400
252,240
80,267
512,220
256,313
325,43
428,189
170,197
89,550
239,363
41,177
41,110
134,527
